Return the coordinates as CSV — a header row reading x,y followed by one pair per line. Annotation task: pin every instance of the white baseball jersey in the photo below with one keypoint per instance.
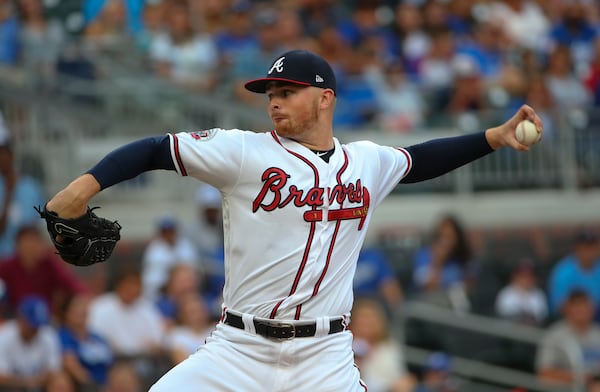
x,y
293,223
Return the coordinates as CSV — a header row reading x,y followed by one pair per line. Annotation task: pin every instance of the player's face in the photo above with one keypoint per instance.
x,y
294,109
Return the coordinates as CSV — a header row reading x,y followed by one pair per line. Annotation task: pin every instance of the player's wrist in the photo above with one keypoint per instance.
x,y
72,201
494,137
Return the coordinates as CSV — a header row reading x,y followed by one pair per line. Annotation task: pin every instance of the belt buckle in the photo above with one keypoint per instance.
x,y
284,325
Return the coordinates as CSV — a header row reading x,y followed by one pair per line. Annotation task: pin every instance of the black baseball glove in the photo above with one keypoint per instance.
x,y
82,241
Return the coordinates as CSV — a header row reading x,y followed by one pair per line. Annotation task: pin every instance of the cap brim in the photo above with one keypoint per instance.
x,y
260,85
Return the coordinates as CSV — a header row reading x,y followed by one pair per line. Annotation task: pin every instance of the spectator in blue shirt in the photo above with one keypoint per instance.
x,y
578,270
18,193
374,277
87,357
575,31
134,10
9,34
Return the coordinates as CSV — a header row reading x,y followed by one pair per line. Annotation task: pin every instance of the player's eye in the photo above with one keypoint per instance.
x,y
287,93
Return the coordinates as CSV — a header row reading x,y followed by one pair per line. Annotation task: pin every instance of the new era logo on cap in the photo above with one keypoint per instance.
x,y
298,67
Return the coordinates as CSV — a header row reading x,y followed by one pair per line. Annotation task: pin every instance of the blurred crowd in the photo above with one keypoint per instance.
x,y
400,64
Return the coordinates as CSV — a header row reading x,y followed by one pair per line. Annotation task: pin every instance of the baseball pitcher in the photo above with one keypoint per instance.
x,y
296,207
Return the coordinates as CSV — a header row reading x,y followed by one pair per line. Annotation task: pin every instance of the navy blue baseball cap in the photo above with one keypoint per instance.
x,y
35,311
299,67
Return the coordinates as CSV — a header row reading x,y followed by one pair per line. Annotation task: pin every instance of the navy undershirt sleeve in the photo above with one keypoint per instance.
x,y
131,160
439,156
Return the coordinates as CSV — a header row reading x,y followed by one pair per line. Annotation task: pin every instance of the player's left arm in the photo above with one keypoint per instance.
x,y
123,163
440,156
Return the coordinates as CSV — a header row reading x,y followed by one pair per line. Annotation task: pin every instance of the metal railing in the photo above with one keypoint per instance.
x,y
439,318
73,122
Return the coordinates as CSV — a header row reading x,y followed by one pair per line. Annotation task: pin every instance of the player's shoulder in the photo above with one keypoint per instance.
x,y
358,145
366,147
208,134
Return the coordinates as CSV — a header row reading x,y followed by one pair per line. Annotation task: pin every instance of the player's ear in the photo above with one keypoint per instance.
x,y
327,99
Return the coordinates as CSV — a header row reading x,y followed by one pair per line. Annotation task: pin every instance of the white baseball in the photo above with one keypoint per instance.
x,y
527,133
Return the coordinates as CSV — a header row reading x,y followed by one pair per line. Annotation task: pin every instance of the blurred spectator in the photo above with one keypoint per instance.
x,y
356,104
580,269
130,12
29,347
570,349
209,16
523,21
154,17
444,266
332,48
460,18
107,32
237,34
592,76
468,92
183,280
129,322
568,92
400,106
195,325
40,40
168,248
522,300
364,25
594,384
186,57
74,62
291,33
9,34
317,15
35,269
413,43
122,377
18,194
86,356
378,355
487,50
60,382
435,15
435,70
575,31
436,376
375,278
206,232
252,61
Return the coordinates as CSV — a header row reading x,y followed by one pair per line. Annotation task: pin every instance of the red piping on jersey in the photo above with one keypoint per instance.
x,y
408,160
335,232
310,235
178,156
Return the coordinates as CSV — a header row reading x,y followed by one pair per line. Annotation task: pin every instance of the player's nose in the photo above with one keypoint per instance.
x,y
274,105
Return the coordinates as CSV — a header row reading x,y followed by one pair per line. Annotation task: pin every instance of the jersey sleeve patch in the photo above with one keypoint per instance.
x,y
204,135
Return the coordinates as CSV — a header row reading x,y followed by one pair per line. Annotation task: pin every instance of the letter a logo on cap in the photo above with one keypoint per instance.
x,y
277,65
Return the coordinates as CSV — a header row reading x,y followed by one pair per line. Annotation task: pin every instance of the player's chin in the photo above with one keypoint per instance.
x,y
281,126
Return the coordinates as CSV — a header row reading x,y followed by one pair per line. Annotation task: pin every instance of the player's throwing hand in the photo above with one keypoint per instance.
x,y
505,134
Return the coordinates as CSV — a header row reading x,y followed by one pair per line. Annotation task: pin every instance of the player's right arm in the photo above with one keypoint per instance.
x,y
125,162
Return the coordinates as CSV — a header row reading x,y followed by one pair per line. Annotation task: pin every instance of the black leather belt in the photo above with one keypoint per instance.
x,y
283,330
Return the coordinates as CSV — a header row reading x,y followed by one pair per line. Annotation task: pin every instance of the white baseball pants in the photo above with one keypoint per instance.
x,y
237,360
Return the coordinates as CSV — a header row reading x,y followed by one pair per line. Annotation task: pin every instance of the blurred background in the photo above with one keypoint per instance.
x,y
485,279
